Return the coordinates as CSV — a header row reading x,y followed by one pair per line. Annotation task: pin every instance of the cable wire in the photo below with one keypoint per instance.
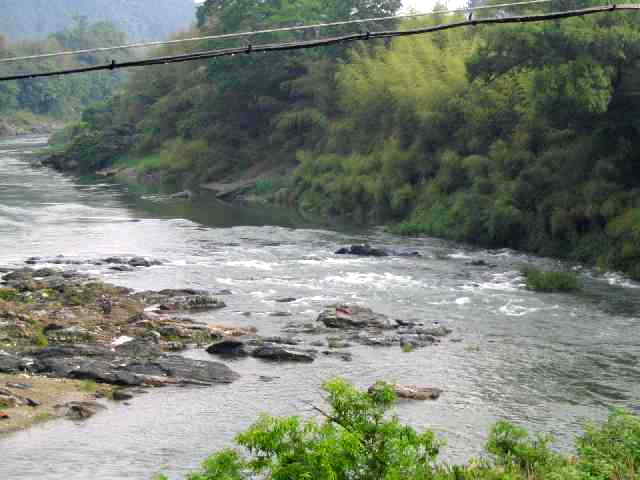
x,y
272,30
252,49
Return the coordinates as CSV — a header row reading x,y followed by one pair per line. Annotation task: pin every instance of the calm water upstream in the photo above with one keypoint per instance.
x,y
544,361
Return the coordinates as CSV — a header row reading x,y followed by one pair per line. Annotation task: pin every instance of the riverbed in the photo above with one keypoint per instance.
x,y
545,361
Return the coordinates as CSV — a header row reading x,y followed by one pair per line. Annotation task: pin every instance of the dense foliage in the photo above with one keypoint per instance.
x,y
139,19
358,440
60,96
521,136
542,281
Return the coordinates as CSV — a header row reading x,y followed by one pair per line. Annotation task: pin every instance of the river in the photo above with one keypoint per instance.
x,y
545,361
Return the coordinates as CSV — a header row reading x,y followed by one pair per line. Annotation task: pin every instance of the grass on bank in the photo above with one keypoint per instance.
x,y
49,392
356,439
541,281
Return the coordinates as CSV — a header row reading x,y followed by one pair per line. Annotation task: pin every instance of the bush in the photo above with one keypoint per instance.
x,y
551,281
409,229
358,441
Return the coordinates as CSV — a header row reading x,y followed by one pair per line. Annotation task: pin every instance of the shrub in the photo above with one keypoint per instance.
x,y
409,229
541,281
358,441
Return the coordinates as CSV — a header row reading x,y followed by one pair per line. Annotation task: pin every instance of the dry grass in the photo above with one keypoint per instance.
x,y
49,392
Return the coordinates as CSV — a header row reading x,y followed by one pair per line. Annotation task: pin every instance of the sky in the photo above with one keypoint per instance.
x,y
420,5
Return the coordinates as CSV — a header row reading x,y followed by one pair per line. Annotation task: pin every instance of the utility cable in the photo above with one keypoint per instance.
x,y
272,30
252,49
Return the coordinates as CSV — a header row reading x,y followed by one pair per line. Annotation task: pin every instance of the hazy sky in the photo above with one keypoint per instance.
x,y
420,5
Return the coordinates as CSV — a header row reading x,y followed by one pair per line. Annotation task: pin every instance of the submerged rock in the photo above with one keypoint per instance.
x,y
79,410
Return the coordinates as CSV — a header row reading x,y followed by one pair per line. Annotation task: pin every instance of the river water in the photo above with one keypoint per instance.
x,y
545,361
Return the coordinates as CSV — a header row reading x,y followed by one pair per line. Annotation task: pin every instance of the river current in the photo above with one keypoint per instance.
x,y
545,361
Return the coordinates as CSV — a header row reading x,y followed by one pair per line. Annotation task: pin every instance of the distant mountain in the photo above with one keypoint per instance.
x,y
140,19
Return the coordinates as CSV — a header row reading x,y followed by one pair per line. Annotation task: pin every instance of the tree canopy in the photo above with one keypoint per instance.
x,y
518,136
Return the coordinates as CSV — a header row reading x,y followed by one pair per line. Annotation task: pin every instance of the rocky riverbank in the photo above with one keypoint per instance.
x,y
60,328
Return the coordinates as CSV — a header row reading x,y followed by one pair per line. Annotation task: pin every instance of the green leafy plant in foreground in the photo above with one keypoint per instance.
x,y
357,440
541,281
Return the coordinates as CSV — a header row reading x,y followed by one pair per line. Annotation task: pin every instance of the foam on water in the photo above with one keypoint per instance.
x,y
513,310
373,280
252,264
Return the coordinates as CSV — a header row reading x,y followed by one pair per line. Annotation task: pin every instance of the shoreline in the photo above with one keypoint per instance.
x,y
42,399
24,123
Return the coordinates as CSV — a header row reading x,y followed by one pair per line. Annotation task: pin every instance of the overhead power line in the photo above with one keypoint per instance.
x,y
249,34
251,49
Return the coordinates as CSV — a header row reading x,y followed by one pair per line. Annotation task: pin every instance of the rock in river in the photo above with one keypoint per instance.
x,y
280,353
278,349
413,392
79,410
365,250
228,347
355,316
120,367
12,363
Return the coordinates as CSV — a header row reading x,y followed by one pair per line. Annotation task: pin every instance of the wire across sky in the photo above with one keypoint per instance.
x,y
298,28
299,45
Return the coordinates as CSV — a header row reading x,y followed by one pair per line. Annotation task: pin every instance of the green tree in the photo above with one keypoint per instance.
x,y
358,440
355,441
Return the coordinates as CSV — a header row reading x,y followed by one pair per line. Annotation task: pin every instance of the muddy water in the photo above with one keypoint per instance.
x,y
544,361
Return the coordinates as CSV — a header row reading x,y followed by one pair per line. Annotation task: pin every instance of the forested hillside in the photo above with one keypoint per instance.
x,y
520,136
61,97
139,19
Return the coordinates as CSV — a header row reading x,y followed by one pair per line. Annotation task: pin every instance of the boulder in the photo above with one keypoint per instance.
x,y
19,275
142,262
282,354
187,370
365,250
344,356
12,363
122,268
413,392
434,331
191,303
121,396
79,410
229,347
354,316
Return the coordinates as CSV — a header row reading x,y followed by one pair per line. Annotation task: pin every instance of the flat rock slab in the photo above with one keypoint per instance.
x,y
116,367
